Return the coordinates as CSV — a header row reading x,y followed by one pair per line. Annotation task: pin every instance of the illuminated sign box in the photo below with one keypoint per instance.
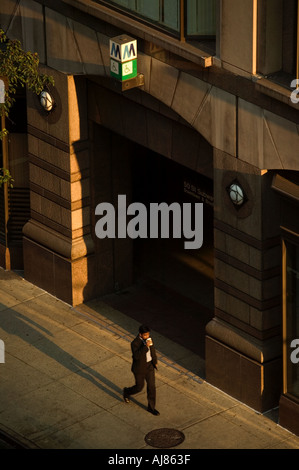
x,y
123,71
123,57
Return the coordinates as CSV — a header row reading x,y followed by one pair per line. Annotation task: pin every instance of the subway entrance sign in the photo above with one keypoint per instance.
x,y
123,57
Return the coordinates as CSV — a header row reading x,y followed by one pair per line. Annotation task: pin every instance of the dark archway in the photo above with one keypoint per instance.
x,y
153,157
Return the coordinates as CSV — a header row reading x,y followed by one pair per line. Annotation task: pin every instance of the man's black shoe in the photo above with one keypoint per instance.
x,y
126,397
154,412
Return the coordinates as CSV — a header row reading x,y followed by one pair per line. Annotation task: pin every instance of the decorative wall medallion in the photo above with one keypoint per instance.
x,y
47,101
237,194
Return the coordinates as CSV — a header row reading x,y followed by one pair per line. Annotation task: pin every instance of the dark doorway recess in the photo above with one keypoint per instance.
x,y
173,289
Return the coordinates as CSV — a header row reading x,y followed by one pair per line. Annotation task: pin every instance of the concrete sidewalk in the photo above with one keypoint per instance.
x,y
65,368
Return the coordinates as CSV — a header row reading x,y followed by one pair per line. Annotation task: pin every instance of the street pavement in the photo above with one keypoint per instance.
x,y
65,368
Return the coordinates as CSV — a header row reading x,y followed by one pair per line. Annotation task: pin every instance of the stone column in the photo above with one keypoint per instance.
x,y
243,341
58,245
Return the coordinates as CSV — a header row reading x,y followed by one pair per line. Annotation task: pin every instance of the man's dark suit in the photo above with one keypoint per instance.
x,y
143,371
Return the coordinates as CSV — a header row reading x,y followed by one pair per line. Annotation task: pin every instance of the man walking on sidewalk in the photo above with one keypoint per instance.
x,y
143,368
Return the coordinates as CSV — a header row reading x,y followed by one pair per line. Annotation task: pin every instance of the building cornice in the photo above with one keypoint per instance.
x,y
136,28
180,55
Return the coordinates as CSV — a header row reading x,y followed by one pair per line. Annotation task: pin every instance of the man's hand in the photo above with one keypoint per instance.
x,y
149,342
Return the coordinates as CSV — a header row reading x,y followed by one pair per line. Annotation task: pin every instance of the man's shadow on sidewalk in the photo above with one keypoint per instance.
x,y
16,324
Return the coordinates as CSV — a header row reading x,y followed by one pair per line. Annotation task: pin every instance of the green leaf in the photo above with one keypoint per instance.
x,y
21,69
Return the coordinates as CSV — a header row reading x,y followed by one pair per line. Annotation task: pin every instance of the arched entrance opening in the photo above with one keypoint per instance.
x,y
150,157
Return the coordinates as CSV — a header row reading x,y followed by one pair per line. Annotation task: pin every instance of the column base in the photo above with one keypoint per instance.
x,y
73,281
4,257
289,413
255,382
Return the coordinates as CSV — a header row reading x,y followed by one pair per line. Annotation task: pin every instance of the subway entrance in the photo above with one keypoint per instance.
x,y
183,279
167,260
172,287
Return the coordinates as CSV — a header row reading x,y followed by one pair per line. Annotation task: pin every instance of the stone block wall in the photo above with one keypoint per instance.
x,y
233,125
58,246
246,330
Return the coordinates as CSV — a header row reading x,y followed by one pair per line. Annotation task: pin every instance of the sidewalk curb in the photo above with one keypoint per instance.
x,y
16,440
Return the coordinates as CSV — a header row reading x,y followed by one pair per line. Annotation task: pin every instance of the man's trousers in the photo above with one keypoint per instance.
x,y
149,377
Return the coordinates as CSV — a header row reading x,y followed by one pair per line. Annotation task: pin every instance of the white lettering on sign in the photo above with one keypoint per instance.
x,y
199,193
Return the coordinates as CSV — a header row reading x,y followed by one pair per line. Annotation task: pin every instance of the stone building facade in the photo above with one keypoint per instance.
x,y
221,108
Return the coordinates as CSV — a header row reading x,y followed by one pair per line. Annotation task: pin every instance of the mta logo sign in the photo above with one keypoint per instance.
x,y
123,48
123,57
